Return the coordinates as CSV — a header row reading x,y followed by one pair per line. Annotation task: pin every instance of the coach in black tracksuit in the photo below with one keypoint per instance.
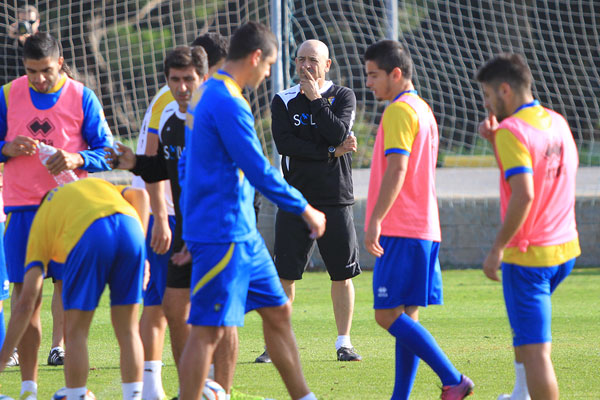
x,y
311,125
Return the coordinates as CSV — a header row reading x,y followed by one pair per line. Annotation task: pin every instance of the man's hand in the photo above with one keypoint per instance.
x,y
125,160
63,160
491,265
372,238
182,257
308,85
315,220
161,236
20,146
349,144
487,127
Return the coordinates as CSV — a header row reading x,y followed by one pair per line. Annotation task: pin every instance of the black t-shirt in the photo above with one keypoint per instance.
x,y
303,131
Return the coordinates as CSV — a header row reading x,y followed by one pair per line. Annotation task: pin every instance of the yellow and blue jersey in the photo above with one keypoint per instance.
x,y
65,214
223,163
400,124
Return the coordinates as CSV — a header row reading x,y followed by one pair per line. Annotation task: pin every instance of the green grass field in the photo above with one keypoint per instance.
x,y
471,327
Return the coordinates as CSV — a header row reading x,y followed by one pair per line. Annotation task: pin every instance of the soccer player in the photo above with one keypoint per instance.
x,y
538,241
232,270
66,230
402,220
311,125
45,105
168,291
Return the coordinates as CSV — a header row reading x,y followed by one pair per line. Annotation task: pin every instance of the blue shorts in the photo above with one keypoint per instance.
x,y
527,292
110,251
16,234
228,280
4,283
407,274
153,295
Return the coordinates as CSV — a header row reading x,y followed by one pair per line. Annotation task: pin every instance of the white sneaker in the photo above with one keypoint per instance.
x,y
504,397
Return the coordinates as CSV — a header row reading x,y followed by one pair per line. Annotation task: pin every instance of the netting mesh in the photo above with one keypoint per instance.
x,y
117,47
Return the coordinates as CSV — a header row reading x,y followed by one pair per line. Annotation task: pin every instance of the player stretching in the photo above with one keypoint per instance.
x,y
96,230
538,241
232,270
402,220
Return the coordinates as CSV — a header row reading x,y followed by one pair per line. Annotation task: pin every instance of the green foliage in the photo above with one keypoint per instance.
x,y
471,327
144,46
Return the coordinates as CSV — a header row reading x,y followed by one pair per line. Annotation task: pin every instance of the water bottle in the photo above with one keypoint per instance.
x,y
45,152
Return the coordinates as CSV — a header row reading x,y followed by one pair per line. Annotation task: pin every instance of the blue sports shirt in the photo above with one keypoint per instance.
x,y
223,163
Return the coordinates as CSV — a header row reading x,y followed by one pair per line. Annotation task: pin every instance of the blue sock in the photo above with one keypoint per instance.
x,y
2,328
418,340
406,371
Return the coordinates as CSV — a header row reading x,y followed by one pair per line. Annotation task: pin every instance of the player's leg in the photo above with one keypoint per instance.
x,y
266,296
125,323
339,249
176,303
527,295
225,358
57,352
219,287
77,327
195,360
292,250
409,273
153,322
16,234
125,279
541,379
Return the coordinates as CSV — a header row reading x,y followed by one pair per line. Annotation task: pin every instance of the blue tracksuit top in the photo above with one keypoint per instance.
x,y
223,163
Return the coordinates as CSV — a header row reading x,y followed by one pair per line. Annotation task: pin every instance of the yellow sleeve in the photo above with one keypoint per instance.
x,y
513,156
157,110
39,244
400,127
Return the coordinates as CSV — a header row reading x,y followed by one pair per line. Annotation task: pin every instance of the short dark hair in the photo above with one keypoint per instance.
x,y
41,45
506,67
250,37
389,54
185,57
215,45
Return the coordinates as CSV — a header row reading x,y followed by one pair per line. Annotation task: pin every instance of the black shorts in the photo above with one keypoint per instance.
x,y
338,246
179,276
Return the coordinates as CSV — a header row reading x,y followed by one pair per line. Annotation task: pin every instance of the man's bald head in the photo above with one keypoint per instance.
x,y
313,58
315,46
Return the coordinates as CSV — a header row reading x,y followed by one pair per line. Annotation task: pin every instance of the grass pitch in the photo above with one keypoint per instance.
x,y
471,327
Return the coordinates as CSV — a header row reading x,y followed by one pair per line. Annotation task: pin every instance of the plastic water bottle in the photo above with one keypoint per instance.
x,y
45,152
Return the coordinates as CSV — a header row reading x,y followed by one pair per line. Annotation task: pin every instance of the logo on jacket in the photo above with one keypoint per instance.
x,y
37,127
303,119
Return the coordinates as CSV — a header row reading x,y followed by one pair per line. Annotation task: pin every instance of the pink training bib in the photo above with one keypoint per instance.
x,y
26,180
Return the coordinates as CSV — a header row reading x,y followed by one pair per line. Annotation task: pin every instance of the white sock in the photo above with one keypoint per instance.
x,y
29,386
153,387
228,397
56,348
76,393
343,341
520,391
132,391
310,396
